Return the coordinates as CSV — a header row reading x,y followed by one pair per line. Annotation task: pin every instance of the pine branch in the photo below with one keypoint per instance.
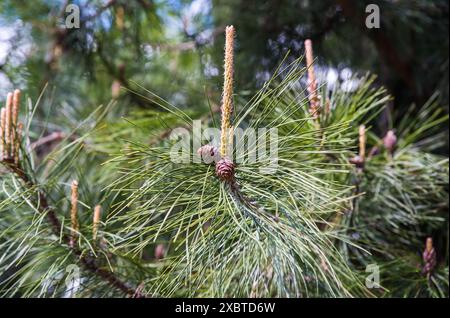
x,y
10,140
87,261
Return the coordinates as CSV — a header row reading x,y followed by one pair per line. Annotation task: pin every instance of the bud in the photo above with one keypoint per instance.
x,y
225,169
160,251
8,126
390,140
96,221
18,142
15,115
429,258
115,89
120,15
2,133
362,142
73,213
314,98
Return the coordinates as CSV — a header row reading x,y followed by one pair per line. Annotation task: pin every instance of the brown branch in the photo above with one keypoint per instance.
x,y
54,136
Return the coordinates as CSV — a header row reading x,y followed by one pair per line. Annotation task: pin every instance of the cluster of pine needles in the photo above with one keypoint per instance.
x,y
341,199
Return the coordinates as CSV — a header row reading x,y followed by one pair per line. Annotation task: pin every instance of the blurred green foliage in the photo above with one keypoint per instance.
x,y
175,49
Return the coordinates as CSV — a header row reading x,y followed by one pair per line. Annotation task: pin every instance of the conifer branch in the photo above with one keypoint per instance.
x,y
10,160
89,262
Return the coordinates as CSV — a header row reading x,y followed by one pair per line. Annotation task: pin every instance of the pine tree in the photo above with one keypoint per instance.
x,y
338,199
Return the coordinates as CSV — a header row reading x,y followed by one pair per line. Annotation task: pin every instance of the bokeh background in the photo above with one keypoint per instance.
x,y
175,49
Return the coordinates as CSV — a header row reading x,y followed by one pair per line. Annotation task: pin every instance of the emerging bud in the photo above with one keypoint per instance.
x,y
429,258
73,213
18,141
390,141
96,221
160,251
362,142
8,125
3,154
225,169
314,97
115,89
14,118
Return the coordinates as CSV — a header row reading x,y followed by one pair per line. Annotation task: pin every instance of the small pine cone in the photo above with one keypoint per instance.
x,y
209,154
225,169
429,257
357,161
390,140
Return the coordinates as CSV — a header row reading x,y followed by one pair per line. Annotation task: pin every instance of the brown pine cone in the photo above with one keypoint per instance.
x,y
225,169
